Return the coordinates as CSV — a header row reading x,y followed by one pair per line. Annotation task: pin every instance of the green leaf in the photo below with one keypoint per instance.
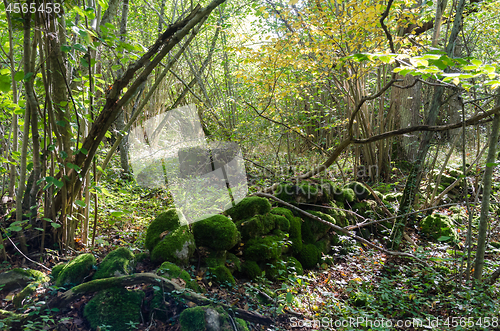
x,y
65,48
28,76
80,48
116,213
80,203
63,103
55,225
116,67
491,164
289,297
443,238
18,76
15,228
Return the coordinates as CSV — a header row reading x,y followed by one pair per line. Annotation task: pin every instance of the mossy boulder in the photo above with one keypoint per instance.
x,y
233,263
222,275
257,225
75,271
38,278
215,258
359,189
177,246
440,227
295,234
313,230
309,256
162,225
216,232
294,265
276,270
116,307
251,269
119,262
209,318
170,271
303,193
324,245
56,270
393,197
249,207
264,248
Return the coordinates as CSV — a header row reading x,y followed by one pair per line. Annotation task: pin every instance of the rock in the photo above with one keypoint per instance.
x,y
359,189
249,207
56,270
177,246
75,271
309,256
440,227
222,275
216,232
263,248
251,269
117,307
257,225
172,271
313,230
162,225
27,279
294,265
208,318
119,262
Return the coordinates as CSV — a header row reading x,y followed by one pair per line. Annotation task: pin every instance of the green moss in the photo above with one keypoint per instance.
x,y
39,278
165,222
249,207
251,269
177,247
56,270
233,262
119,262
242,325
261,249
360,191
283,212
309,256
215,258
393,197
115,307
295,232
276,270
216,232
312,230
439,227
294,265
140,257
257,226
170,271
222,275
286,192
324,245
192,319
282,223
75,271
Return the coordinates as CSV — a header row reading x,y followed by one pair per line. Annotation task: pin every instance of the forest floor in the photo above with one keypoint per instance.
x,y
360,289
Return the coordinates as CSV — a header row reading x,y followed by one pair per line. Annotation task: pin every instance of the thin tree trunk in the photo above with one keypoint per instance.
x,y
485,204
415,176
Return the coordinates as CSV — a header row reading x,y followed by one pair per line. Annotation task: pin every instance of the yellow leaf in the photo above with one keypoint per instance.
x,y
293,2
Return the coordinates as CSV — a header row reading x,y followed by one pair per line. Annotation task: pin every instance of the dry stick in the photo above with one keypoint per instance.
x,y
27,258
338,228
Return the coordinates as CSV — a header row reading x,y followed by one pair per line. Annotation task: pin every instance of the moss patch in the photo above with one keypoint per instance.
x,y
266,248
222,275
170,271
312,230
162,225
39,278
116,307
359,189
295,232
216,232
440,227
75,271
56,270
294,265
177,247
117,263
193,319
249,207
283,212
251,269
256,226
309,256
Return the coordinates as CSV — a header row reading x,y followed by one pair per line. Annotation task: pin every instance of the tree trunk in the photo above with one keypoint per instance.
x,y
485,204
415,176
